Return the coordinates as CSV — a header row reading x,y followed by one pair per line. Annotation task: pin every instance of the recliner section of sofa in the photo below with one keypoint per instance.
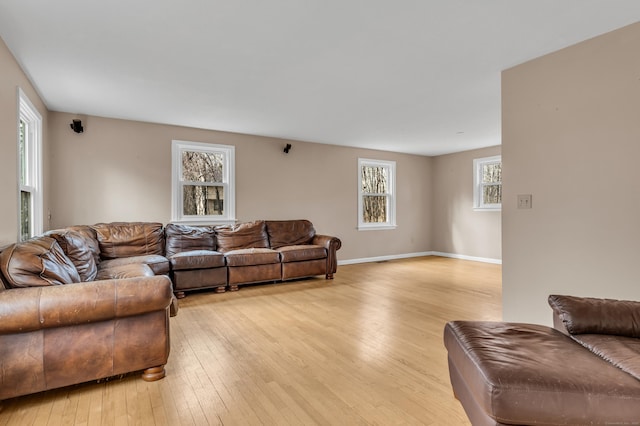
x,y
302,251
249,258
195,262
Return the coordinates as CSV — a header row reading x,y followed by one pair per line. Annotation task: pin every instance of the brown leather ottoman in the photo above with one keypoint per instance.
x,y
525,374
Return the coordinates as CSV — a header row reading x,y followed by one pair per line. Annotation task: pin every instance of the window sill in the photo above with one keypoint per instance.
x,y
376,227
487,209
205,221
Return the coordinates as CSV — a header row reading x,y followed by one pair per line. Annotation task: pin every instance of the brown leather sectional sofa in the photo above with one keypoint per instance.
x,y
90,302
584,371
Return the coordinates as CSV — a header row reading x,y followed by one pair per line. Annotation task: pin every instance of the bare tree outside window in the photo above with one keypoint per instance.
x,y
29,169
376,194
25,195
492,183
202,182
203,192
375,184
487,182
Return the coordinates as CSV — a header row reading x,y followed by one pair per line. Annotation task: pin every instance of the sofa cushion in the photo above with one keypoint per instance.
x,y
289,232
301,252
90,237
196,259
79,248
158,264
586,315
242,236
531,374
131,270
252,256
621,351
37,262
126,239
181,238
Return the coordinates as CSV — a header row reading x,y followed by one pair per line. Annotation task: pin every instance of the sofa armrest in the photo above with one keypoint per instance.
x,y
586,315
34,308
328,242
332,244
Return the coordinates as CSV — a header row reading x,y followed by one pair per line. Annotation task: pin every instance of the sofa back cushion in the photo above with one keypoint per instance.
x,y
90,238
289,232
127,239
81,247
37,262
182,238
586,315
242,236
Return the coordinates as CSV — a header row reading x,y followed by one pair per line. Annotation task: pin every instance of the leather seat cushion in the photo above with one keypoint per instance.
x,y
532,374
252,256
197,259
301,252
621,351
131,270
158,264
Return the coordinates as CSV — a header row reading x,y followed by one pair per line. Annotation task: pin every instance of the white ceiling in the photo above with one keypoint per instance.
x,y
414,76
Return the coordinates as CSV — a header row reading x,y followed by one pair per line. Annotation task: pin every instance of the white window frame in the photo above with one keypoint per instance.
x,y
228,182
33,162
478,186
391,195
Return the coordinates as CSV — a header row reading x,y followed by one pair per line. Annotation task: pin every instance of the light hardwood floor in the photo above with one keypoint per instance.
x,y
365,348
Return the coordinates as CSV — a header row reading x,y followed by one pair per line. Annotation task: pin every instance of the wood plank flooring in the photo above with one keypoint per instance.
x,y
363,349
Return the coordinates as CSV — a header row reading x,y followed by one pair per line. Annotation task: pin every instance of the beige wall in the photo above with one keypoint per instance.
x,y
571,138
12,78
121,170
456,227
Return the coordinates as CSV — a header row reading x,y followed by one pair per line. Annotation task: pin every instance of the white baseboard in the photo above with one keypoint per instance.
x,y
463,257
383,258
420,254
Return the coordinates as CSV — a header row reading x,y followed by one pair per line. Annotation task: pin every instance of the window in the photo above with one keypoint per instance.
x,y
29,168
203,182
487,180
376,194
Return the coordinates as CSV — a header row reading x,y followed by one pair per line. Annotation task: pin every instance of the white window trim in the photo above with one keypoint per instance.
x,y
28,113
177,147
391,208
478,163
